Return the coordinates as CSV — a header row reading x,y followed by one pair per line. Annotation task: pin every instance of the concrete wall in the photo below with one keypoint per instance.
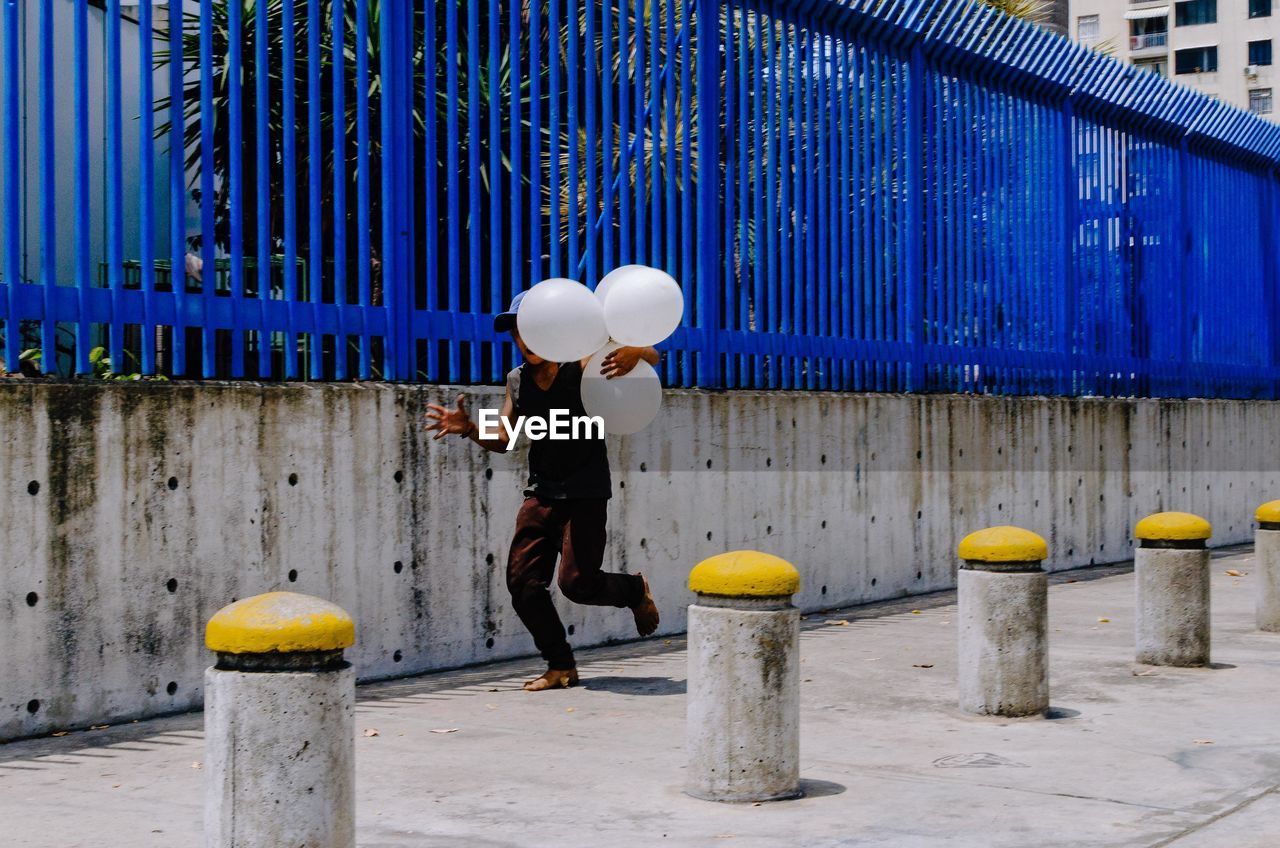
x,y
133,512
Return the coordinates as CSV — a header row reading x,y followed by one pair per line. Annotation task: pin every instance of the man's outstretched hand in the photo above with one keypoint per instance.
x,y
445,422
620,361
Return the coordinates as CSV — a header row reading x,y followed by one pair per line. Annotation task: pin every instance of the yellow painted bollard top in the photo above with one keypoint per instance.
x,y
745,574
280,622
1003,544
1269,513
1173,527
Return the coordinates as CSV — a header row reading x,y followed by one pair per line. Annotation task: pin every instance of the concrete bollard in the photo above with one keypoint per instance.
x,y
1171,584
1266,550
1004,623
744,679
280,725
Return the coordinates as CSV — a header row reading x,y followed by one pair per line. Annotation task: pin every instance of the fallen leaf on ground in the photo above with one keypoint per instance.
x,y
915,612
568,709
196,765
491,706
60,733
922,665
370,731
1203,741
1104,621
444,730
1146,673
838,622
1231,572
99,726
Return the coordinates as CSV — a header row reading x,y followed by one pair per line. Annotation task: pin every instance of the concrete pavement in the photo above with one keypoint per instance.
x,y
1132,756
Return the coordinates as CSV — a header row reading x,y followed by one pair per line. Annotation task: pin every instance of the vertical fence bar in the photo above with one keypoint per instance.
x,y
288,139
146,185
474,238
114,201
536,247
315,211
177,191
553,135
262,138
208,244
82,258
594,69
12,218
496,298
48,188
452,188
571,134
430,169
364,248
338,61
707,14
913,226
235,175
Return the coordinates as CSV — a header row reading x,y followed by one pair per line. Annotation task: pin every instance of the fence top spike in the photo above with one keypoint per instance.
x,y
280,622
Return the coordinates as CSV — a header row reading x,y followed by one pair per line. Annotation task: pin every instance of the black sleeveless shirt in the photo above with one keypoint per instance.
x,y
560,469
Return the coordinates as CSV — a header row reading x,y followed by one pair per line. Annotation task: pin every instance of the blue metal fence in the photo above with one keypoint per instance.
x,y
863,195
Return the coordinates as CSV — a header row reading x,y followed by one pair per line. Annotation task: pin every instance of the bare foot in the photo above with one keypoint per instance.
x,y
553,679
646,612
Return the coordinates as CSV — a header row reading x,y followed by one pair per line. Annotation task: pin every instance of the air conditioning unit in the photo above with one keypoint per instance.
x,y
1251,70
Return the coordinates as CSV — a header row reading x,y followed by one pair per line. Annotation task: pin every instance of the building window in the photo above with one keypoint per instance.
x,y
1260,52
1159,67
1195,60
1087,28
1260,101
1193,12
1259,8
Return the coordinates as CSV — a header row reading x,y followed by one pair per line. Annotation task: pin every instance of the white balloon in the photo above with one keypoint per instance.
x,y
622,272
643,307
561,320
627,403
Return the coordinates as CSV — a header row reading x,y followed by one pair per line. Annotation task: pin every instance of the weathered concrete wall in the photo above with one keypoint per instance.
x,y
131,513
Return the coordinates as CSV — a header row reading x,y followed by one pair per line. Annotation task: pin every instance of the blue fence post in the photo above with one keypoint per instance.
x,y
707,17
913,159
9,226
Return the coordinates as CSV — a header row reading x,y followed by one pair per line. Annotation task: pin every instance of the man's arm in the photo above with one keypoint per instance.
x,y
623,359
457,421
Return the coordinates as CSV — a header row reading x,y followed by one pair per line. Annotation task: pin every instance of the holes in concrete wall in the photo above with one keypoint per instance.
x,y
824,524
768,530
173,483
33,488
824,590
488,643
644,543
919,514
398,476
642,467
397,656
768,461
919,575
293,479
172,585
32,599
571,629
33,706
873,581
488,474
708,463
293,575
999,507
823,459
398,567
708,535
873,519
172,688
622,484
488,559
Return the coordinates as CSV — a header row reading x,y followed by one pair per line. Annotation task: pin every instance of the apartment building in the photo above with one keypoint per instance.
x,y
1221,47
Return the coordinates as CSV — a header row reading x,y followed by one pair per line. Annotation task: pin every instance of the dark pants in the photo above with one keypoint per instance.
x,y
574,531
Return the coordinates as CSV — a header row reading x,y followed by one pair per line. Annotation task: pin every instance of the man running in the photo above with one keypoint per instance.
x,y
565,505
